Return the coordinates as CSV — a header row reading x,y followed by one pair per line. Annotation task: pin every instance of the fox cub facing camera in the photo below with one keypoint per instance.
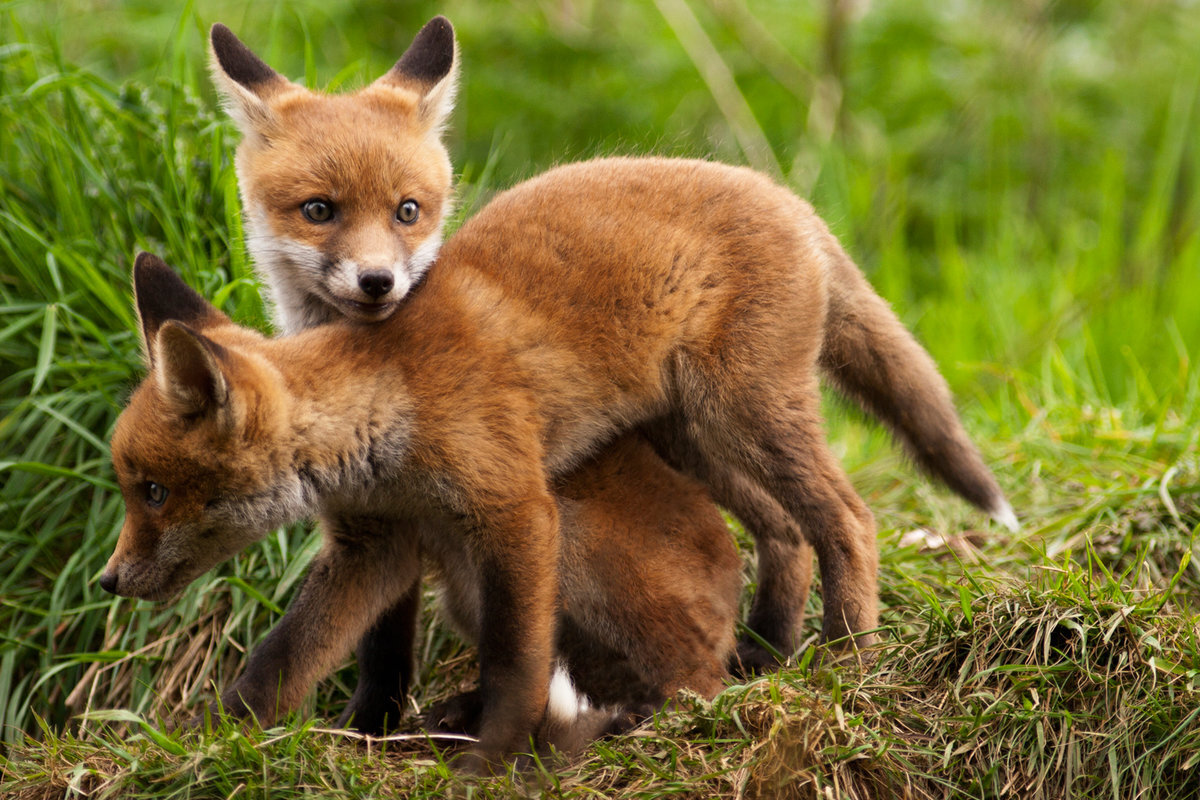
x,y
344,196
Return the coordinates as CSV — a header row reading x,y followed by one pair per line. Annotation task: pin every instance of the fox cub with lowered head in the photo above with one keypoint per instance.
x,y
691,300
643,608
344,199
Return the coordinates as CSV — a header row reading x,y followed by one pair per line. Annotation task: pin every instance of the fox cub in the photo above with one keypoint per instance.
x,y
691,300
344,198
643,609
374,181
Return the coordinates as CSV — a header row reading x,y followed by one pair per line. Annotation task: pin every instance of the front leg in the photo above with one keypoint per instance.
x,y
361,571
516,550
385,668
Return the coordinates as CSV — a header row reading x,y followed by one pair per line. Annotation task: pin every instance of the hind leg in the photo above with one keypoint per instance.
x,y
784,556
780,445
777,611
808,481
784,570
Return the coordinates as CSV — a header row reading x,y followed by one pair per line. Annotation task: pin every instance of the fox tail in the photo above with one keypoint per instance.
x,y
571,723
872,358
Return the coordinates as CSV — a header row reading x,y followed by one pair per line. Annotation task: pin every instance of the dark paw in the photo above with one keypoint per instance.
x,y
476,762
752,658
859,649
214,712
200,722
459,714
373,716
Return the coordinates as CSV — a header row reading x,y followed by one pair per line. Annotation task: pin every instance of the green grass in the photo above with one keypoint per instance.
x,y
1021,181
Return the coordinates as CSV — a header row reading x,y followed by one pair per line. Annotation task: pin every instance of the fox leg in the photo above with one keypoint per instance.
x,y
784,570
795,464
779,444
515,548
784,556
360,573
385,668
777,610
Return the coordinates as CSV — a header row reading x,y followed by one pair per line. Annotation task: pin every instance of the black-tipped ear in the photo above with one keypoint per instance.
x,y
430,57
430,69
239,62
245,83
160,295
191,372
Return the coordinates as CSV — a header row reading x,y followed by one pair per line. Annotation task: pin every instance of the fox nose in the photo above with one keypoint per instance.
x,y
108,582
376,283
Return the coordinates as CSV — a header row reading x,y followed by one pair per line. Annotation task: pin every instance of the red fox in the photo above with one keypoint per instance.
x,y
358,159
646,605
365,271
390,130
691,300
324,180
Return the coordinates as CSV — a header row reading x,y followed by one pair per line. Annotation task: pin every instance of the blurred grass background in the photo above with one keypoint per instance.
x,y
1034,161
1019,178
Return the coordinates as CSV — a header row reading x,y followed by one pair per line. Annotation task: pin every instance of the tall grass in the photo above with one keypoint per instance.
x,y
1020,180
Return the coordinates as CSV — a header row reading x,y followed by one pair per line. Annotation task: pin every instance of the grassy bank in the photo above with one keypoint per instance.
x,y
1020,180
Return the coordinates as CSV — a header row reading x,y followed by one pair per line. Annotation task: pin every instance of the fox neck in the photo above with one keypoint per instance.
x,y
348,432
295,309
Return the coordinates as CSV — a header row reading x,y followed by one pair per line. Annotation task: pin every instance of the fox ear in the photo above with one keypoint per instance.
x,y
244,81
429,67
191,373
161,295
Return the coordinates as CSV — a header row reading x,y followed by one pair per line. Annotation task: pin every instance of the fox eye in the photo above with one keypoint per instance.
x,y
408,212
156,494
317,210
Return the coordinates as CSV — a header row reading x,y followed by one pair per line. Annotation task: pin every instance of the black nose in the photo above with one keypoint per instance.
x,y
108,582
376,282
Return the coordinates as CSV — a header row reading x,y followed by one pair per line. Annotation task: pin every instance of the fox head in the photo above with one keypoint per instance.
x,y
192,450
344,195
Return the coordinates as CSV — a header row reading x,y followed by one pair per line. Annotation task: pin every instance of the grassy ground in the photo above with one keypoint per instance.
x,y
1020,180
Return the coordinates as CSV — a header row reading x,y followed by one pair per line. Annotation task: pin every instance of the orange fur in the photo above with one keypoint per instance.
x,y
689,299
391,155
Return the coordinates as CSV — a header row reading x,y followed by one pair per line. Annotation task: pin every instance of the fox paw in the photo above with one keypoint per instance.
x,y
751,659
373,716
458,714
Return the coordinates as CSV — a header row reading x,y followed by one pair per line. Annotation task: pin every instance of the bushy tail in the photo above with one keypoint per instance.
x,y
571,723
871,357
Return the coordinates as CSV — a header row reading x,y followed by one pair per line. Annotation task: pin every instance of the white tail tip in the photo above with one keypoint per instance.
x,y
1003,514
565,703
